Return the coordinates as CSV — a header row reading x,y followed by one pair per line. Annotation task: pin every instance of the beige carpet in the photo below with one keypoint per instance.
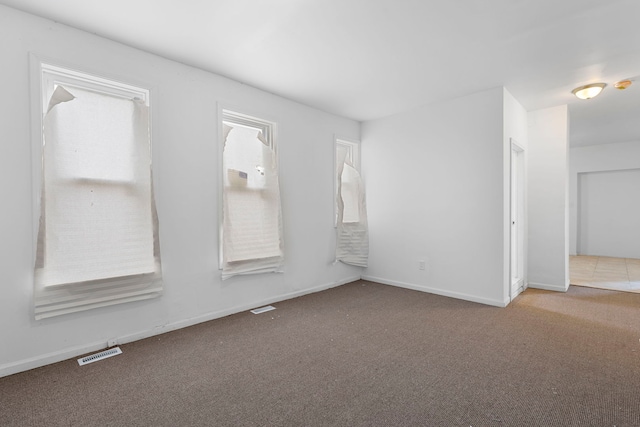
x,y
620,274
362,354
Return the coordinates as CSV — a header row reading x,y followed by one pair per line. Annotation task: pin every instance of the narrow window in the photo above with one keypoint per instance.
x,y
98,231
347,153
352,243
251,231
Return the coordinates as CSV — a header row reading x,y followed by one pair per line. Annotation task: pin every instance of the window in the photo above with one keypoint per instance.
x,y
97,239
352,243
347,152
251,227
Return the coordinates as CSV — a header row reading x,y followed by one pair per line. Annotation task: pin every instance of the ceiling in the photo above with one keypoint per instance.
x,y
614,116
366,59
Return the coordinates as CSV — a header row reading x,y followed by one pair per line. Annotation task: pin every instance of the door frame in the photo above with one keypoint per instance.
x,y
517,220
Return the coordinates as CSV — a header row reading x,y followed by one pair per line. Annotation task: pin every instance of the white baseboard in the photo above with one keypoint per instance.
x,y
59,356
547,287
458,295
49,358
227,312
517,292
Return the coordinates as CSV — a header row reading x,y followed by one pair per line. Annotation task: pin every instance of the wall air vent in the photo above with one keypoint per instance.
x,y
99,356
262,309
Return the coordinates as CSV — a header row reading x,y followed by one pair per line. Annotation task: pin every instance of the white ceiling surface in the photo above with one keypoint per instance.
x,y
366,59
612,117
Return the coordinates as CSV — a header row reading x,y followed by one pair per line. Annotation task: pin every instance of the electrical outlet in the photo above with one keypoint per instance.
x,y
421,265
112,342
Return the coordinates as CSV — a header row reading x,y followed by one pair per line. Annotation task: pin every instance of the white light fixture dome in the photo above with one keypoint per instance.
x,y
588,91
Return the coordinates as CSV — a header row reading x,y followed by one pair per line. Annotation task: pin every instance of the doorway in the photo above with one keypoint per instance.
x,y
607,247
608,223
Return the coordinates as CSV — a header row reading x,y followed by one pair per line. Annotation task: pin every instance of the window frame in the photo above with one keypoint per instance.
x,y
45,74
269,128
353,150
60,72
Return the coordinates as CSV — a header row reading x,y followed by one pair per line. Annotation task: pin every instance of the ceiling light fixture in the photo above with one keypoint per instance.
x,y
588,91
622,84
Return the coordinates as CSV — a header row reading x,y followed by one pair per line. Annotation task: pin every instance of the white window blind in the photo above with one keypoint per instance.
x,y
352,242
251,223
98,230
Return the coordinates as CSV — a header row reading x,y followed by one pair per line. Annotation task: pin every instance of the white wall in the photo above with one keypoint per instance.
x,y
441,198
185,156
548,199
609,162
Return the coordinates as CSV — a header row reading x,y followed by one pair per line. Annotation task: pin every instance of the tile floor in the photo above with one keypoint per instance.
x,y
621,274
